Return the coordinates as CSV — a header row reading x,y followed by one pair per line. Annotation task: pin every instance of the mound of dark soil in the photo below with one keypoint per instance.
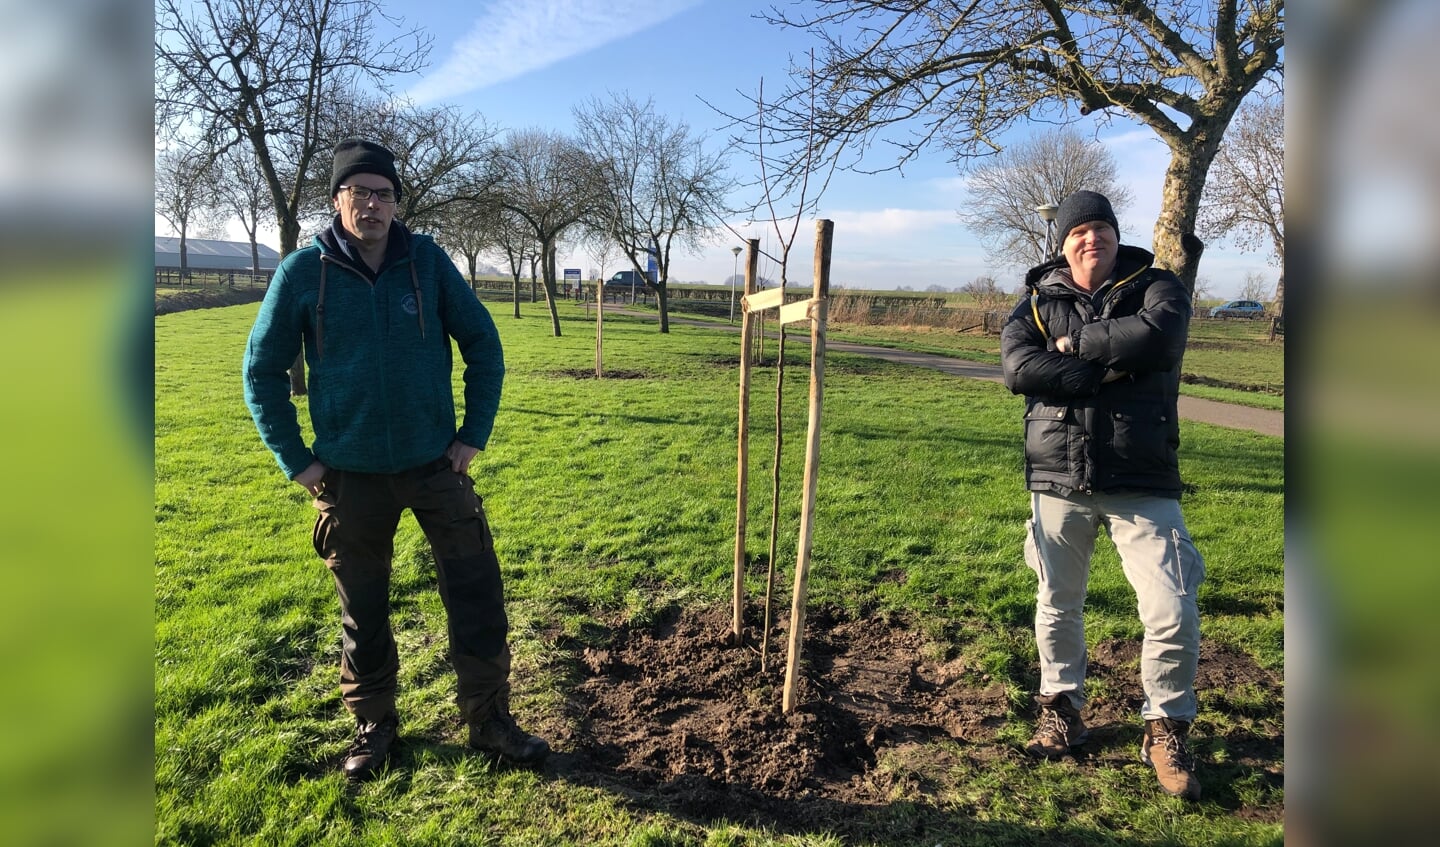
x,y
675,717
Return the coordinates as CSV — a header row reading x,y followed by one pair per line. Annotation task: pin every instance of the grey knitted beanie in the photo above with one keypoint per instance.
x,y
1084,207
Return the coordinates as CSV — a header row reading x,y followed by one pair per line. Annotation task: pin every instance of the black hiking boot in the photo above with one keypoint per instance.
x,y
498,735
371,748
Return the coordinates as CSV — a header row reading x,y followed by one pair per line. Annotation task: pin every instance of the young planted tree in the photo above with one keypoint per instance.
x,y
955,74
1245,197
658,185
1045,168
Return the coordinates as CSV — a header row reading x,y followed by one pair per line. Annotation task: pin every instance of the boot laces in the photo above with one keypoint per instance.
x,y
1053,722
1173,743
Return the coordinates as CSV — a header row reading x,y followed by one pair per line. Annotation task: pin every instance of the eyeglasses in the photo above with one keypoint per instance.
x,y
361,193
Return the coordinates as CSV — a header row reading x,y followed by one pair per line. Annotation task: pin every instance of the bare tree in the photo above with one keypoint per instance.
x,y
1204,290
184,195
958,73
262,73
468,227
988,294
549,183
517,245
1245,196
659,184
601,249
1255,287
1045,168
442,155
243,196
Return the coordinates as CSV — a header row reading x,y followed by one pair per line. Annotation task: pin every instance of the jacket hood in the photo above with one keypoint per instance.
x,y
1128,260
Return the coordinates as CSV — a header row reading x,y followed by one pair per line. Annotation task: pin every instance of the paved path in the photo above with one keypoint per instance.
x,y
1263,421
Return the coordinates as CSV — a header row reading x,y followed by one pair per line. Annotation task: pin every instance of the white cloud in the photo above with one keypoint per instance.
x,y
514,37
890,223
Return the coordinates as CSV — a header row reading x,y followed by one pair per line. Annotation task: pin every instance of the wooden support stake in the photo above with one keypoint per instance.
x,y
824,234
747,322
599,335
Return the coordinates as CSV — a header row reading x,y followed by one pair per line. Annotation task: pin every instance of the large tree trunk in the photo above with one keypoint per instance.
x,y
515,293
662,302
1180,206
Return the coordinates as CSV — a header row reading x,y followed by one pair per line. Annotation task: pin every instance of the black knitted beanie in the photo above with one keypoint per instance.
x,y
356,156
1083,207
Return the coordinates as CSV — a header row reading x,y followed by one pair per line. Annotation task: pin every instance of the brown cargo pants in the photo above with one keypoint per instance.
x,y
355,535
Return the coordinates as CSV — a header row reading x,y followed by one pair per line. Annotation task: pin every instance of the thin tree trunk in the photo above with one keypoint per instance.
x,y
289,242
549,283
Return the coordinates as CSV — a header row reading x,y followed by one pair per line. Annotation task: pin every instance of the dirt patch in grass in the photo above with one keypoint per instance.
x,y
1196,379
673,716
182,300
589,373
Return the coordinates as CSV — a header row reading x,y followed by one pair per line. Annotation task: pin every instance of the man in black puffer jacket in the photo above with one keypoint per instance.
x,y
1095,348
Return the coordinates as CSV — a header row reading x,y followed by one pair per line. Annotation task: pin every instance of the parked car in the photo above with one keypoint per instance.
x,y
626,280
1239,309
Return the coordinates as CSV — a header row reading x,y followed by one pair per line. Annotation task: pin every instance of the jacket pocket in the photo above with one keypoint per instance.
x,y
1138,440
1048,435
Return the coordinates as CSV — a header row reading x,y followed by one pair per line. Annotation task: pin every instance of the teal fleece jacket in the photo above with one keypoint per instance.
x,y
380,390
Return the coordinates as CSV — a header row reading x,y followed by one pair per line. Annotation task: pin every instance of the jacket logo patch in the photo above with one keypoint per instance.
x,y
409,305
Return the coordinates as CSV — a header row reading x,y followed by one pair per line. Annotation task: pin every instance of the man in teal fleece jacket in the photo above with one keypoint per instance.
x,y
375,307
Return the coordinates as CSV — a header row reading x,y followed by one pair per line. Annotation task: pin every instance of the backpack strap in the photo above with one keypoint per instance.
x,y
419,299
320,315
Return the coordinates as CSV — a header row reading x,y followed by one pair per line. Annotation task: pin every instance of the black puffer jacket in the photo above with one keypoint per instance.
x,y
1083,433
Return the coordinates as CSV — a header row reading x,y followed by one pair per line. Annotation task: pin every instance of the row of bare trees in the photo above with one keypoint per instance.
x,y
280,81
251,95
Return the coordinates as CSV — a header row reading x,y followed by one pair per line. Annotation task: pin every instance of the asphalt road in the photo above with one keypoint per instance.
x,y
1263,421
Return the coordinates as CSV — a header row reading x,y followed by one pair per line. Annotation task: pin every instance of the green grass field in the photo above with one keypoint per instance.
x,y
610,498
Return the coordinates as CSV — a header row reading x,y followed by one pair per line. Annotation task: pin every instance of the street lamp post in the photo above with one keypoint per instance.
x,y
734,272
1047,213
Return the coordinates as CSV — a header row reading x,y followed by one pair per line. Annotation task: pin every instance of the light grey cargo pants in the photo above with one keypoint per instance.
x,y
1161,564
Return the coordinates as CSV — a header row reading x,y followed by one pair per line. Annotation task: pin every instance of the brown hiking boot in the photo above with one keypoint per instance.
x,y
1164,749
1058,729
499,736
371,747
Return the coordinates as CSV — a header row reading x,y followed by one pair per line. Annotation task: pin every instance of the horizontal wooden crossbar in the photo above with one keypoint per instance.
x,y
761,300
800,310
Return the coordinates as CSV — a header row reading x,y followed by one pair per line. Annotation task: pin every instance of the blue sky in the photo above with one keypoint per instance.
x,y
527,63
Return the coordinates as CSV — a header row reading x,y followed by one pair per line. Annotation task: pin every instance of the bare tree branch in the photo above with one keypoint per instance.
x,y
912,75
